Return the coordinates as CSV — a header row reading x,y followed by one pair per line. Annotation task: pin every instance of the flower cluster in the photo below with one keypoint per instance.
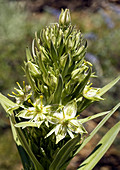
x,y
59,81
23,94
44,119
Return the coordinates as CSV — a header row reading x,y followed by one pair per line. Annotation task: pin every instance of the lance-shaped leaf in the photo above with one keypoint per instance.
x,y
108,86
53,52
18,132
93,117
64,153
82,105
98,127
7,104
28,54
58,91
26,161
101,148
66,67
61,46
33,48
30,79
41,64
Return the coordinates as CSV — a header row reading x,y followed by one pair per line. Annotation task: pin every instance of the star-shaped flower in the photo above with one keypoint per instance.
x,y
35,115
92,93
65,122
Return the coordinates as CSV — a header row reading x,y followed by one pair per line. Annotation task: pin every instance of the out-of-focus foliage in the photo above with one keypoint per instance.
x,y
8,160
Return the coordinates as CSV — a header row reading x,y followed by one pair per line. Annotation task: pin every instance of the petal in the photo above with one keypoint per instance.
x,y
70,109
27,114
76,127
59,137
52,119
70,133
58,128
30,124
59,115
61,133
50,133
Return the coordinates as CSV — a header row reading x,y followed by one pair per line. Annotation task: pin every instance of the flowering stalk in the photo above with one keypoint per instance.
x,y
44,118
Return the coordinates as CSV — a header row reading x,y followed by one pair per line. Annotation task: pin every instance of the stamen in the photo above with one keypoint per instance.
x,y
19,85
29,101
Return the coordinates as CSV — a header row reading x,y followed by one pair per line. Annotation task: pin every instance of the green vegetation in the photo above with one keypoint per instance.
x,y
44,118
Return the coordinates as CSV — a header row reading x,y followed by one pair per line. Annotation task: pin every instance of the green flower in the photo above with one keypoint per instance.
x,y
92,93
23,94
65,122
36,114
64,19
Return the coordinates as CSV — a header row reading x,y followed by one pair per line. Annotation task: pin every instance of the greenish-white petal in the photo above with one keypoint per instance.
x,y
70,109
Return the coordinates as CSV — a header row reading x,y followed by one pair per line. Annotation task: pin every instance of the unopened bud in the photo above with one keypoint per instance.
x,y
64,18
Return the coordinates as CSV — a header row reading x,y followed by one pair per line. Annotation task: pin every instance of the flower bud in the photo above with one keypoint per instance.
x,y
64,19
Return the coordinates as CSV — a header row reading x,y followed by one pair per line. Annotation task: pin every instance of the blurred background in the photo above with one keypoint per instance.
x,y
99,22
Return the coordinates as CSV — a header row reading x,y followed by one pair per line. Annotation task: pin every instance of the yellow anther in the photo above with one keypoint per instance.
x,y
41,96
29,101
9,95
18,83
41,107
13,93
23,83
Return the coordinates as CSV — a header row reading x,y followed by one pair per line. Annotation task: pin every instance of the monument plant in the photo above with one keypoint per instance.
x,y
45,119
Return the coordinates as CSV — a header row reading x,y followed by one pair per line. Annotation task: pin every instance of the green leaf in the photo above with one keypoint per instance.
x,y
30,79
108,86
101,148
61,46
53,52
64,153
58,91
82,105
28,54
33,48
41,64
18,134
93,116
24,156
65,70
6,103
98,127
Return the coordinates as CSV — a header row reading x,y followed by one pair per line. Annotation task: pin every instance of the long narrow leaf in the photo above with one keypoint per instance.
x,y
101,148
98,127
6,104
24,156
58,91
6,101
26,146
93,116
63,154
65,70
108,86
28,54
